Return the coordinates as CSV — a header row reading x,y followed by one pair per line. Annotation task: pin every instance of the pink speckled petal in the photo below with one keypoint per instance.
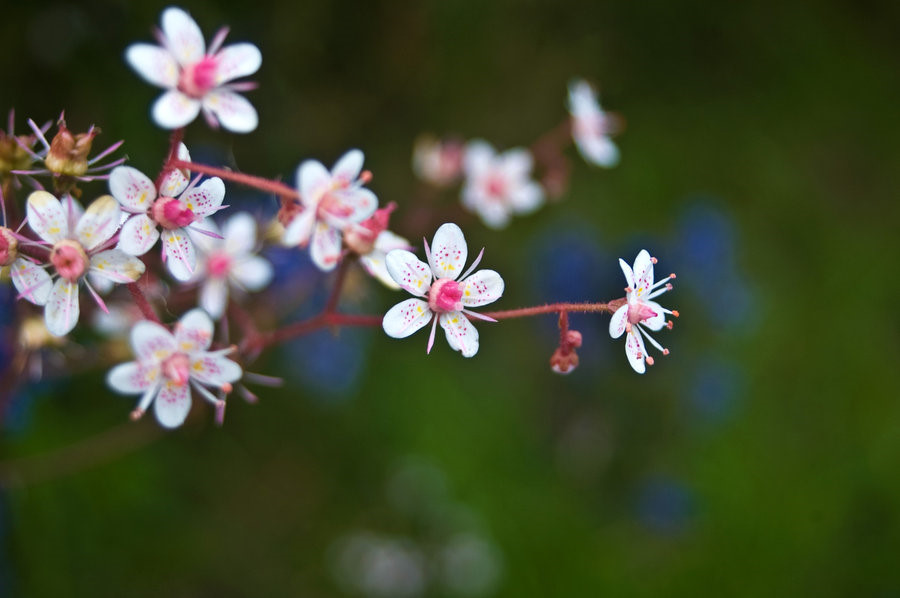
x,y
406,317
62,310
151,342
172,404
133,377
214,369
32,281
133,189
46,217
634,349
193,332
618,321
99,222
481,288
181,257
461,334
409,272
448,252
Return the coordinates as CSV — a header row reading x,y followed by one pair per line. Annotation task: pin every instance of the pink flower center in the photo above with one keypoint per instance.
x,y
170,213
219,264
638,312
198,78
445,295
496,187
333,205
177,368
69,259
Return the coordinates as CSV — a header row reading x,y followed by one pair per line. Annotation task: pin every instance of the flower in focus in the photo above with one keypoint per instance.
x,y
445,300
80,242
331,202
371,240
437,162
639,312
168,365
229,261
147,209
591,126
196,78
499,185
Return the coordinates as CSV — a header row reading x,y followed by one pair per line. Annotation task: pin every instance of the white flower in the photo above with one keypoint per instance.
x,y
168,365
196,78
591,127
80,241
445,299
138,197
332,201
437,162
640,311
499,185
229,261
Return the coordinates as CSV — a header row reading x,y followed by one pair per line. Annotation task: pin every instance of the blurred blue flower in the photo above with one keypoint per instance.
x,y
665,506
714,388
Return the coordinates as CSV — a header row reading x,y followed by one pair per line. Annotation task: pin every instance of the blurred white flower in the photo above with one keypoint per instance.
x,y
591,126
499,185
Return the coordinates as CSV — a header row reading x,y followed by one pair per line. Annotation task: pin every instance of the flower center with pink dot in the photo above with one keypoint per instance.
x,y
177,368
69,259
219,264
496,186
198,78
170,213
445,296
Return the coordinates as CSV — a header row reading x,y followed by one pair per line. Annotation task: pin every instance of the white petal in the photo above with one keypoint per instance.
x,y
325,249
174,110
348,166
151,342
185,40
254,273
448,252
232,110
132,189
526,198
204,242
387,241
409,272
237,60
172,404
102,285
516,164
176,180
643,273
634,349
46,217
299,230
374,263
461,335
117,266
356,205
313,179
155,65
598,150
214,369
406,317
240,234
214,296
659,320
481,288
138,235
181,258
133,377
193,332
32,281
478,158
618,321
99,222
628,272
205,198
61,312
493,214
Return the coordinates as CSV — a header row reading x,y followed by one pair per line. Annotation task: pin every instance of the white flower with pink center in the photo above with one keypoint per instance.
x,y
229,262
196,78
332,201
446,291
80,241
591,126
499,185
168,365
640,313
149,209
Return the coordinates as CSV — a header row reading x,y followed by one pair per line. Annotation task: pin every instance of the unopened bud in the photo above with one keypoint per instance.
x,y
563,362
68,153
9,247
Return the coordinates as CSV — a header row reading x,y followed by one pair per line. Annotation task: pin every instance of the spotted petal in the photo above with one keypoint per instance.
x,y
132,189
233,111
237,60
628,272
461,334
313,180
138,235
172,404
325,249
32,281
176,180
206,198
174,109
183,37
350,206
99,222
214,369
181,257
348,166
117,266
643,273
406,317
634,349
409,272
155,65
61,312
481,288
194,331
133,377
448,252
46,217
151,342
618,321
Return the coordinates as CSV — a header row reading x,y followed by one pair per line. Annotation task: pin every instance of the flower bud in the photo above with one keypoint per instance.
x,y
68,153
563,362
360,238
12,155
9,247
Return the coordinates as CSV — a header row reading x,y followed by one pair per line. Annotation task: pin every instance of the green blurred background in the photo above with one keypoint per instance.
x,y
760,162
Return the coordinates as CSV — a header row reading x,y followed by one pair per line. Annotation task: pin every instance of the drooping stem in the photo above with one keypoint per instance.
x,y
247,180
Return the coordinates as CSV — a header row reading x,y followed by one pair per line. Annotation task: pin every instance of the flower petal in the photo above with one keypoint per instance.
x,y
409,272
299,230
181,258
253,273
32,281
659,320
240,234
46,217
138,235
643,273
481,288
151,342
348,166
478,157
117,266
214,296
193,332
634,349
350,206
174,110
406,317
232,110
237,60
313,180
61,312
214,369
628,272
374,263
183,36
172,404
206,198
99,222
461,334
448,252
132,189
526,198
176,180
598,150
155,65
516,164
133,377
618,321
204,242
325,249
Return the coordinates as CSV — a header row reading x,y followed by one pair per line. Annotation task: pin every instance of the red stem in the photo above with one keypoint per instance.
x,y
242,179
172,156
551,308
138,295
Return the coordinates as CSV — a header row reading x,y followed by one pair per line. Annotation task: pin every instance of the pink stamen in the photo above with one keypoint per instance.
x,y
177,368
198,78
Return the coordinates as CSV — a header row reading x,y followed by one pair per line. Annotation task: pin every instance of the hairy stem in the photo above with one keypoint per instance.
x,y
247,180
